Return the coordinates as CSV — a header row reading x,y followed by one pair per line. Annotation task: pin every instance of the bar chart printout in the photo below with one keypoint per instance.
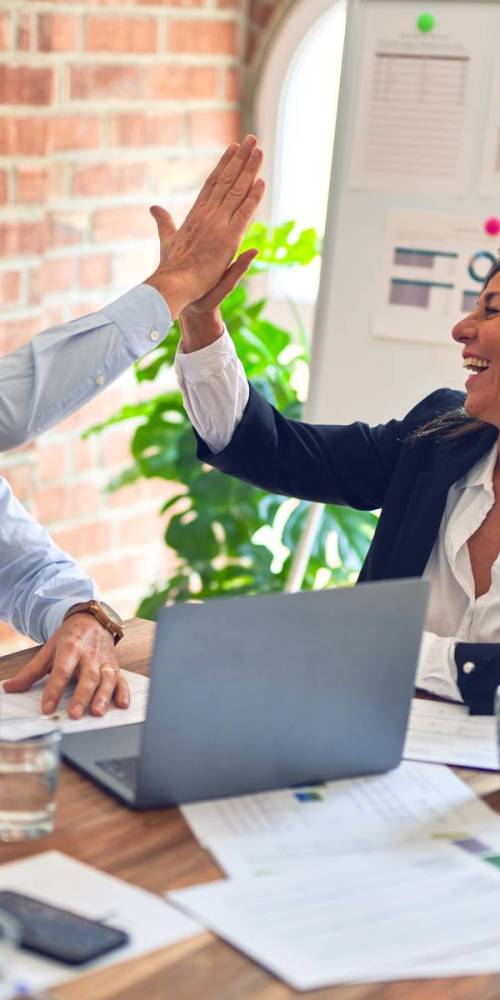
x,y
434,268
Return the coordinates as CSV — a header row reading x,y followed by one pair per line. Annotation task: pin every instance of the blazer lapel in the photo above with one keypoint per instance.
x,y
420,524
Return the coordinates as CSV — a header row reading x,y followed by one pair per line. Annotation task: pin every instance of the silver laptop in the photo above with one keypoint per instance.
x,y
254,693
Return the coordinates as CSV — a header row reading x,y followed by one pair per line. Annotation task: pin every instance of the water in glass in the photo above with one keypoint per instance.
x,y
29,767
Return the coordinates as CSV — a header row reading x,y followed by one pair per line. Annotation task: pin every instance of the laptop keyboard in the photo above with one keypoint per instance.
x,y
124,769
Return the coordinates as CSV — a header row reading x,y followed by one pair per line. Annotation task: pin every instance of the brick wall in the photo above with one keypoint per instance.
x,y
105,107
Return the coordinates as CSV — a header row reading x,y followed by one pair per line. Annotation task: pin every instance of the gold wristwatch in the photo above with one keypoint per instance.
x,y
107,617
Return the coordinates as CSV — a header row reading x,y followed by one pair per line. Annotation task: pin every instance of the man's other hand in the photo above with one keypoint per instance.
x,y
82,650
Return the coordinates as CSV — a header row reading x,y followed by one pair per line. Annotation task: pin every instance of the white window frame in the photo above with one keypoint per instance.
x,y
271,76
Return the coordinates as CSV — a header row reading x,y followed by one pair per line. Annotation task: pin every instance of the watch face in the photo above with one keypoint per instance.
x,y
115,617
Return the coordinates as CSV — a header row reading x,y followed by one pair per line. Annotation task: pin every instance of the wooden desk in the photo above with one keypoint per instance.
x,y
156,850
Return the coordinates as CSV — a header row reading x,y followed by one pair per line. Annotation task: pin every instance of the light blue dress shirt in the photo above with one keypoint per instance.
x,y
41,384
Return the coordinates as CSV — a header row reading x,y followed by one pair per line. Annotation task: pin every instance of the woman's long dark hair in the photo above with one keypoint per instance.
x,y
455,423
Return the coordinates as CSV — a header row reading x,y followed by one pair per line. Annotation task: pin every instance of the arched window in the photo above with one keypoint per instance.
x,y
295,114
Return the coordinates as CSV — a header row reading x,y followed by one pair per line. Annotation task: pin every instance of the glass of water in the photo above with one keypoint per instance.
x,y
30,753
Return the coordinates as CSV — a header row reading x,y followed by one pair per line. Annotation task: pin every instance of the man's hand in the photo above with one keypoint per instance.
x,y
81,649
194,258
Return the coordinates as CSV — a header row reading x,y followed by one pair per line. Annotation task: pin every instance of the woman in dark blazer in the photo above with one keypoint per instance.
x,y
405,467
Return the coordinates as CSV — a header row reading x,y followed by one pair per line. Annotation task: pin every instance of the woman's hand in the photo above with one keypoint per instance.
x,y
201,322
81,649
196,257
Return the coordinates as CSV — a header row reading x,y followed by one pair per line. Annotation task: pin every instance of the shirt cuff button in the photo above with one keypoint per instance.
x,y
154,335
468,667
100,380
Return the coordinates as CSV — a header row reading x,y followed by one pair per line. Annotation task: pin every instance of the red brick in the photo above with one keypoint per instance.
x,y
106,81
139,529
58,503
10,287
57,274
5,30
15,332
230,4
95,271
64,228
182,83
74,132
122,222
24,32
119,571
57,32
82,454
233,84
21,237
21,480
120,34
34,286
25,85
209,128
109,178
23,136
114,446
176,3
31,184
146,130
85,540
203,37
4,189
52,461
261,11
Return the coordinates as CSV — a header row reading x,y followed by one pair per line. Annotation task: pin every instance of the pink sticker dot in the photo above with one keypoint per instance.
x,y
492,226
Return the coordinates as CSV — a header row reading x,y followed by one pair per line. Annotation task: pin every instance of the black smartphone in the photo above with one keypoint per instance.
x,y
59,933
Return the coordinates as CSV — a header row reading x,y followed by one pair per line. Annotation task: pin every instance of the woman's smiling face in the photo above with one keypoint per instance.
x,y
479,332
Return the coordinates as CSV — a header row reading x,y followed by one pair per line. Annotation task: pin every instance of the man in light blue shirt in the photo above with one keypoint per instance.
x,y
43,592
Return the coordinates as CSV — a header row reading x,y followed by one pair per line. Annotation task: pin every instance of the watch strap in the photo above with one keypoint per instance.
x,y
115,628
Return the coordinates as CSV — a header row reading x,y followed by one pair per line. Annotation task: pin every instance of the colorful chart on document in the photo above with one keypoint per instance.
x,y
435,265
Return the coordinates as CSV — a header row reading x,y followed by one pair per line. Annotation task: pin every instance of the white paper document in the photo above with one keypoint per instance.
x,y
405,914
27,704
57,879
417,99
447,734
417,803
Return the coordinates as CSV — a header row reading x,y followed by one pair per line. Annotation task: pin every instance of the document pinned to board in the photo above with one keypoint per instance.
x,y
57,879
446,734
419,804
27,704
348,919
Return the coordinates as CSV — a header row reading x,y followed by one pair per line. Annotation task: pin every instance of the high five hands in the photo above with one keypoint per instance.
x,y
196,269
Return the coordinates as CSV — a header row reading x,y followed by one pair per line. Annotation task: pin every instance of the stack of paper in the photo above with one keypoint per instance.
x,y
57,879
391,876
27,704
417,803
407,913
447,734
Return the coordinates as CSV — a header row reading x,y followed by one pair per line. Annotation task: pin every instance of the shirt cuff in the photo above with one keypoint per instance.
x,y
198,366
143,317
437,670
53,617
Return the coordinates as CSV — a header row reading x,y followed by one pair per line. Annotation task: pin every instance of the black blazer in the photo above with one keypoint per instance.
x,y
370,468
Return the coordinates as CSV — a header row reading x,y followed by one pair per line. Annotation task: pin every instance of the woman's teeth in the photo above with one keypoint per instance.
x,y
476,365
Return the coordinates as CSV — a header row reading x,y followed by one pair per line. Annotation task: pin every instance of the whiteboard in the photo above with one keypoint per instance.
x,y
415,178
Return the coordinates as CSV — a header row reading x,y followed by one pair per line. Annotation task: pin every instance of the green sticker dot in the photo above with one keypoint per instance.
x,y
426,22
